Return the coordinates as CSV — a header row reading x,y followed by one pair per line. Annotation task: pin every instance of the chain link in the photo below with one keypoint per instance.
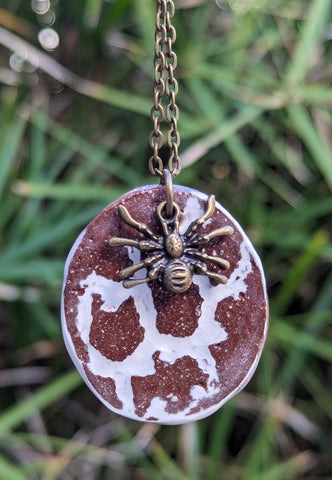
x,y
165,62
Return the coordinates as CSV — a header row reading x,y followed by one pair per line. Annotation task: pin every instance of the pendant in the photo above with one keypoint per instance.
x,y
164,315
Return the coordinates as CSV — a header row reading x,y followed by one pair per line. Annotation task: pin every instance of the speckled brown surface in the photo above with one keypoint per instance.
x,y
152,354
174,389
115,334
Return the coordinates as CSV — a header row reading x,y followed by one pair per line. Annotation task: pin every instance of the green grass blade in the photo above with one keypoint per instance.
x,y
314,321
308,42
48,237
37,269
317,94
145,17
167,467
302,341
10,143
92,12
299,272
9,471
95,155
67,191
289,469
245,115
260,453
304,127
218,438
15,415
321,393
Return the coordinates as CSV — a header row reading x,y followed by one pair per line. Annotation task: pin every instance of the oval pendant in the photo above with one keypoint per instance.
x,y
146,351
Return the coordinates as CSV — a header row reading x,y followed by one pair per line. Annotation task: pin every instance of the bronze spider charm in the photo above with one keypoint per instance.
x,y
172,256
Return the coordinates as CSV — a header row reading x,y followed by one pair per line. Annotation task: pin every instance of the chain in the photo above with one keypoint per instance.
x,y
165,62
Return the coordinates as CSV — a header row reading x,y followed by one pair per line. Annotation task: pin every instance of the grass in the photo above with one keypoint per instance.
x,y
255,123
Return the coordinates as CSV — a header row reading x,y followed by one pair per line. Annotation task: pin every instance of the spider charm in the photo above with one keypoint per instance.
x,y
173,257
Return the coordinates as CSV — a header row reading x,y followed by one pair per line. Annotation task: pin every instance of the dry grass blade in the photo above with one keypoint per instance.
x,y
91,89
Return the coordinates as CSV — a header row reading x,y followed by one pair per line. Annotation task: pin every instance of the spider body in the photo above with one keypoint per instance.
x,y
177,276
173,257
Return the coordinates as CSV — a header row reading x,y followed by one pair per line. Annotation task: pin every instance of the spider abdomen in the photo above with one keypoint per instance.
x,y
174,245
177,276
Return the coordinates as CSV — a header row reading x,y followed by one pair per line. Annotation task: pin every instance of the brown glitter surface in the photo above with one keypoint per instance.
x,y
171,383
177,313
116,335
105,387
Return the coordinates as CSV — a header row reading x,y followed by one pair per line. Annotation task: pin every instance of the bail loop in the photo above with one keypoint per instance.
x,y
167,180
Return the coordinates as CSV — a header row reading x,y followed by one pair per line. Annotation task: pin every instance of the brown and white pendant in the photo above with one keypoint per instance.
x,y
148,352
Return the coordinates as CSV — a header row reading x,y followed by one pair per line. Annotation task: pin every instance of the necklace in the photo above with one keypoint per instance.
x,y
164,306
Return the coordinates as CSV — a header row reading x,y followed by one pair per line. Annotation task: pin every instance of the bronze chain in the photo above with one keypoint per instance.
x,y
165,62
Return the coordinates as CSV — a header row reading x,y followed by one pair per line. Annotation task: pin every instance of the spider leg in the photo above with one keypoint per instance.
x,y
207,258
201,269
122,242
148,262
143,245
153,274
206,237
193,227
140,227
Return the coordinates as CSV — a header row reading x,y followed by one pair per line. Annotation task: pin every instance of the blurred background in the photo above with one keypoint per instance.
x,y
255,101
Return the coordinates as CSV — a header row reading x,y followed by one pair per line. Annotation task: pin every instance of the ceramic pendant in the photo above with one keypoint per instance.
x,y
161,332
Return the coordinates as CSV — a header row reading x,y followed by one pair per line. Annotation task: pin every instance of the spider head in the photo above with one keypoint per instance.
x,y
174,245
